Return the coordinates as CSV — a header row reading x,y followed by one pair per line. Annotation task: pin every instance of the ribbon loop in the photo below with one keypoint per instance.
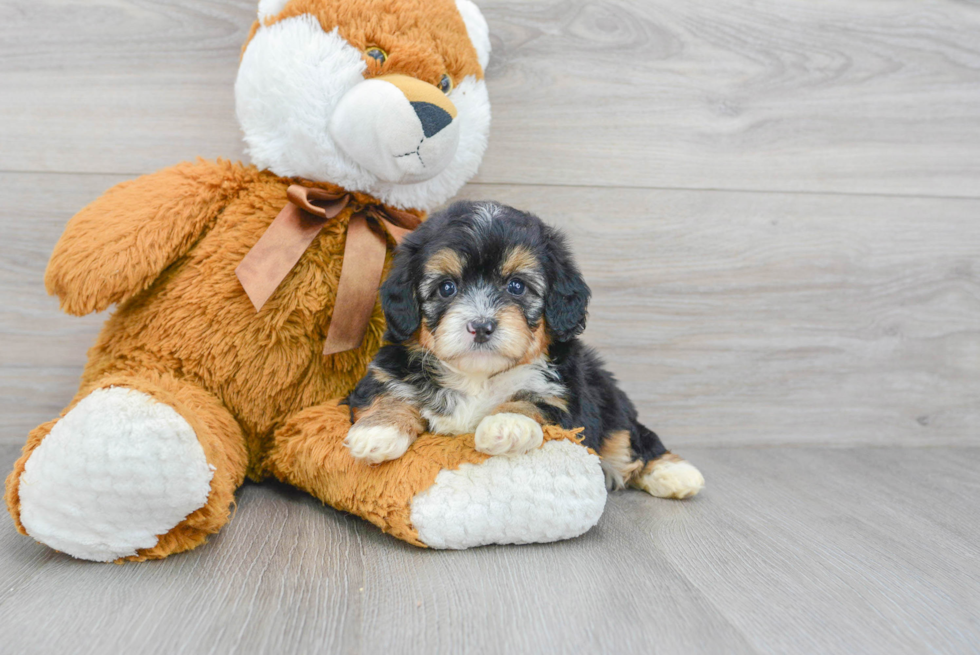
x,y
330,203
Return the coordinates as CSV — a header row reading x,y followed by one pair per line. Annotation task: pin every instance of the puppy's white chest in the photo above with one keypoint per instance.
x,y
469,408
475,398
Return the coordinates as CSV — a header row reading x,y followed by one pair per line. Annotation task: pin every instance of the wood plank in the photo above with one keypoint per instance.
x,y
731,318
788,550
125,86
831,551
870,97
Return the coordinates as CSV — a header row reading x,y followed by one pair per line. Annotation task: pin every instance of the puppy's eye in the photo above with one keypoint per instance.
x,y
447,288
516,287
377,54
446,84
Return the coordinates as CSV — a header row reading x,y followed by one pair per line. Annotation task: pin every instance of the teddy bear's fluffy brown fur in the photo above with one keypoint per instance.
x,y
165,247
423,50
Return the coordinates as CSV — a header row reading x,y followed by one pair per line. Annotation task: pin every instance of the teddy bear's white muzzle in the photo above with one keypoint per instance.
x,y
399,137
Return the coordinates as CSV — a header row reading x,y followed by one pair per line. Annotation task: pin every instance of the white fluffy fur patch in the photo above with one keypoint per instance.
x,y
116,472
552,493
375,125
270,8
508,434
290,80
671,479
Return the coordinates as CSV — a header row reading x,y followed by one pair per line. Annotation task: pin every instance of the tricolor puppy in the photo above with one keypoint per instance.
x,y
484,305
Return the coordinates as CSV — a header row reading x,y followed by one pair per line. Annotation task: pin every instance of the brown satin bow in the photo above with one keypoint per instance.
x,y
266,265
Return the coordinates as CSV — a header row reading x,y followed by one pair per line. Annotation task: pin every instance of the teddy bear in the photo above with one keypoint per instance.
x,y
245,306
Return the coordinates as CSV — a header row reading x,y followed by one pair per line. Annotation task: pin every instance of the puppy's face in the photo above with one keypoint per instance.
x,y
483,311
484,287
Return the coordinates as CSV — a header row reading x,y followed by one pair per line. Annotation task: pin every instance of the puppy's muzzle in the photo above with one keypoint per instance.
x,y
399,128
481,329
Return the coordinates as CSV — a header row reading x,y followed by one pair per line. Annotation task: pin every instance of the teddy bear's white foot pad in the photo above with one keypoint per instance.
x,y
119,470
555,492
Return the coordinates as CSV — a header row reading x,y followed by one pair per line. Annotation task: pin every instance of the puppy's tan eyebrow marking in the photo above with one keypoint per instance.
x,y
519,258
445,262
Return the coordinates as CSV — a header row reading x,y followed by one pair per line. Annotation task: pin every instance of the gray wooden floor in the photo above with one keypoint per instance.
x,y
778,207
790,550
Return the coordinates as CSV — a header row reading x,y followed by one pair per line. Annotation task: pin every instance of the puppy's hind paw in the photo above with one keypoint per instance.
x,y
669,477
508,434
374,444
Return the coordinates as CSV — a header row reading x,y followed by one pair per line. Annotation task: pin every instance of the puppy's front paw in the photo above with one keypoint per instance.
x,y
500,434
377,443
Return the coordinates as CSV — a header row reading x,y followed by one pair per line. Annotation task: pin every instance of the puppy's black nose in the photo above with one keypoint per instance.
x,y
433,118
482,329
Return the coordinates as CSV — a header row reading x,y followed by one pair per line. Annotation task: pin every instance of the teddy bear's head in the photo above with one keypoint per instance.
x,y
381,96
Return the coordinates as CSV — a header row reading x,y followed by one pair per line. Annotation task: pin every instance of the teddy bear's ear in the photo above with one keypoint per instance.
x,y
269,8
476,27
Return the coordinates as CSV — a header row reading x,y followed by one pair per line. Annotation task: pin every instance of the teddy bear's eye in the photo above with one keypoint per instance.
x,y
377,54
446,84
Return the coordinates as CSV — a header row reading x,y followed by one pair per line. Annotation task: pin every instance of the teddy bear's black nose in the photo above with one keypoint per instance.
x,y
433,118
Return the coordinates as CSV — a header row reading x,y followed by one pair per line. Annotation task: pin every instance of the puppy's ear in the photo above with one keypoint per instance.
x,y
566,305
398,301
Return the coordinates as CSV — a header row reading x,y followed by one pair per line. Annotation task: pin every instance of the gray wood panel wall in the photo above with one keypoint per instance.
x,y
777,203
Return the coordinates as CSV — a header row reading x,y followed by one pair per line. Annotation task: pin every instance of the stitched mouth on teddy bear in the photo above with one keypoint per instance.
x,y
399,128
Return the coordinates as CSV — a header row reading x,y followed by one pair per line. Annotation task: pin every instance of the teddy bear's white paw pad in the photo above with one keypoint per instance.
x,y
508,434
671,477
377,443
119,470
553,492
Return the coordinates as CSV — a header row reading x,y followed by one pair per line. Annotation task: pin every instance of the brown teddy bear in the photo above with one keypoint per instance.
x,y
246,305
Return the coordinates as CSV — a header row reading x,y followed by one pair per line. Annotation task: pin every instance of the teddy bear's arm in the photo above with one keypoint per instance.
x,y
118,245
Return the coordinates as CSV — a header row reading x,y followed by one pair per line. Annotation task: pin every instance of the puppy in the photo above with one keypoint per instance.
x,y
484,305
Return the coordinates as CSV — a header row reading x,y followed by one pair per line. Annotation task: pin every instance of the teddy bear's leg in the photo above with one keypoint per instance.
x,y
443,492
136,468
